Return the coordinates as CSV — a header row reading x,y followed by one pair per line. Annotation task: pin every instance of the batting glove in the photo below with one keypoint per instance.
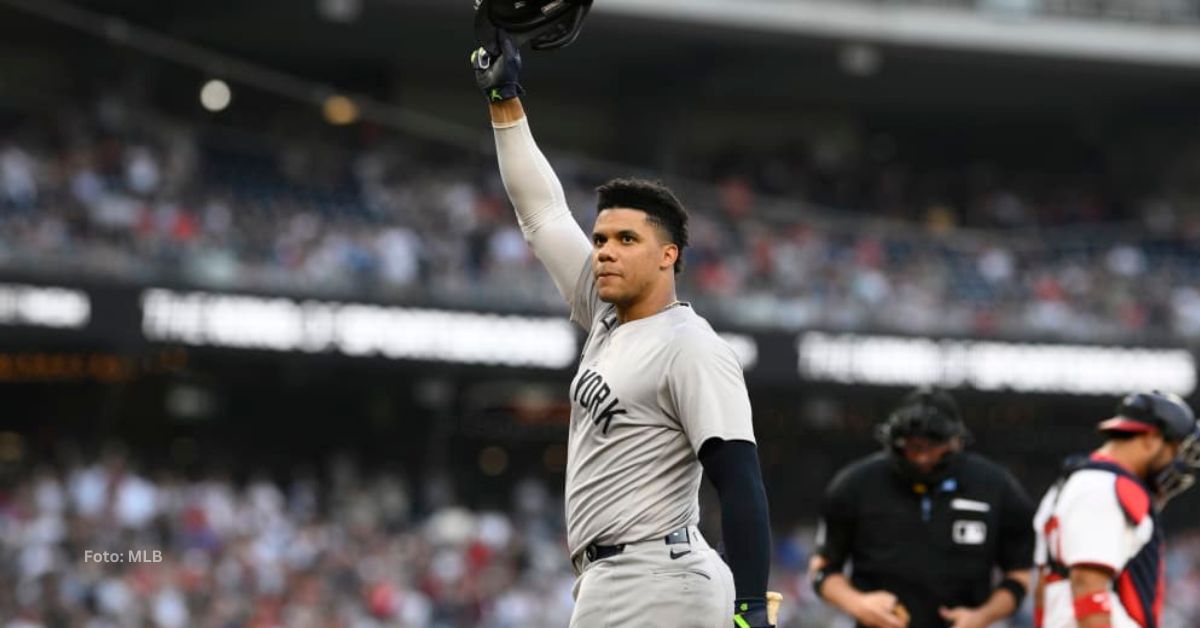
x,y
751,613
497,75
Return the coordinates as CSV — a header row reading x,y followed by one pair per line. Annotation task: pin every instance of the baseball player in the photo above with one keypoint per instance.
x,y
658,399
1100,546
925,525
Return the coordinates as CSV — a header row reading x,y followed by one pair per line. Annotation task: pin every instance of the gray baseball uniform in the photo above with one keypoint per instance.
x,y
648,394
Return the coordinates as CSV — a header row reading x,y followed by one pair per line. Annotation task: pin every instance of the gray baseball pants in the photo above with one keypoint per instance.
x,y
653,584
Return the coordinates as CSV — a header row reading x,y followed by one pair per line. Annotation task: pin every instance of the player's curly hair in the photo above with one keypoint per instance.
x,y
662,208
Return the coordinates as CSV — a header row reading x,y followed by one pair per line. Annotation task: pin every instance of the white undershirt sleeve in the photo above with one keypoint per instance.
x,y
541,206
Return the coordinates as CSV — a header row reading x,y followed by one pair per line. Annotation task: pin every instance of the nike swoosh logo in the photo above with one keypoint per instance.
x,y
675,554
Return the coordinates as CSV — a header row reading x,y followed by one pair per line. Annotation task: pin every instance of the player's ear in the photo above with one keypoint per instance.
x,y
670,254
1151,441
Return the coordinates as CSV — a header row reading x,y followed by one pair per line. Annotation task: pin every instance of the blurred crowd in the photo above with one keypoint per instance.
x,y
99,544
121,192
340,548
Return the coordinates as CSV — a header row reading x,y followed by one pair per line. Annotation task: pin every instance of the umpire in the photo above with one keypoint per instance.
x,y
924,524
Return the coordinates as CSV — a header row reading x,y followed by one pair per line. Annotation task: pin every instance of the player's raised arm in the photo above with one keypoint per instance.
x,y
532,186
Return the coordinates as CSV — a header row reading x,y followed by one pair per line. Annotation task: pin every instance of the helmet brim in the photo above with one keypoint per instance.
x,y
1125,424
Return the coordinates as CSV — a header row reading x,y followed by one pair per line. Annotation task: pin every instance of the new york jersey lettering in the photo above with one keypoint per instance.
x,y
592,393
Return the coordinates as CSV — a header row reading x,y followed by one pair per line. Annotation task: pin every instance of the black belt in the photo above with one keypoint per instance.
x,y
596,552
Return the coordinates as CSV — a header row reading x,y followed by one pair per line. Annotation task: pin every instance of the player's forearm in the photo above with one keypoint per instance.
x,y
1091,588
530,181
1039,599
747,537
538,198
745,525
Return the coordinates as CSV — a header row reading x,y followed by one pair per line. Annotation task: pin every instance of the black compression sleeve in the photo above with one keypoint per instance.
x,y
733,468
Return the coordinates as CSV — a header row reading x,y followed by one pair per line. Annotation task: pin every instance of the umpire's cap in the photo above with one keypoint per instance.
x,y
928,412
1142,412
544,24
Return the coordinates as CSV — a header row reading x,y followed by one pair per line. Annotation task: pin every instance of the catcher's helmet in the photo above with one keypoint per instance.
x,y
926,412
1173,417
544,24
1142,412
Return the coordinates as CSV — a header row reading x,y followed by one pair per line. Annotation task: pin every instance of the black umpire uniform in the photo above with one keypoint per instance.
x,y
932,539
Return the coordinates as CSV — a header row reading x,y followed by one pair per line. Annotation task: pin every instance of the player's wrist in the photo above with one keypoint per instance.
x,y
1094,609
503,93
750,612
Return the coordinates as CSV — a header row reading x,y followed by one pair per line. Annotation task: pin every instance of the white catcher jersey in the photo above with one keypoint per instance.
x,y
1083,522
648,394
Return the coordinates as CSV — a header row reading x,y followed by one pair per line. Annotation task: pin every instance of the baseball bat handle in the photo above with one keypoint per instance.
x,y
773,600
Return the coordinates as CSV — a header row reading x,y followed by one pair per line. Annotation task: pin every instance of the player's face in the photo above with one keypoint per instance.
x,y
628,255
1164,452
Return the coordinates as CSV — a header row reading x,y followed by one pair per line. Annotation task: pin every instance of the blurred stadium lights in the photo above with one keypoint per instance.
x,y
993,365
341,11
859,59
189,402
60,308
282,324
339,110
123,33
215,95
1171,41
493,460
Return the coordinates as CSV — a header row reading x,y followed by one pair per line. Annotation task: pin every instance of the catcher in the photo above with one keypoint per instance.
x,y
1100,545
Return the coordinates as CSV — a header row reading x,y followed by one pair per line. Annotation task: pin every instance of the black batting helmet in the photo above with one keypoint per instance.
x,y
926,412
543,24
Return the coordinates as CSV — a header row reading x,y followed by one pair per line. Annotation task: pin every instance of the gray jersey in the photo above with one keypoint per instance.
x,y
648,394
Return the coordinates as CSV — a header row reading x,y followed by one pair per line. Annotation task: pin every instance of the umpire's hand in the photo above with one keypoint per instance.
x,y
498,76
962,617
879,609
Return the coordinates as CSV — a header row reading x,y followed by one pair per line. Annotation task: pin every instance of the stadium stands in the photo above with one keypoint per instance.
x,y
155,200
339,547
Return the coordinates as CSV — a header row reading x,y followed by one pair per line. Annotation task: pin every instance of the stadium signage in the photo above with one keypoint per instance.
x,y
68,325
358,330
56,308
992,365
